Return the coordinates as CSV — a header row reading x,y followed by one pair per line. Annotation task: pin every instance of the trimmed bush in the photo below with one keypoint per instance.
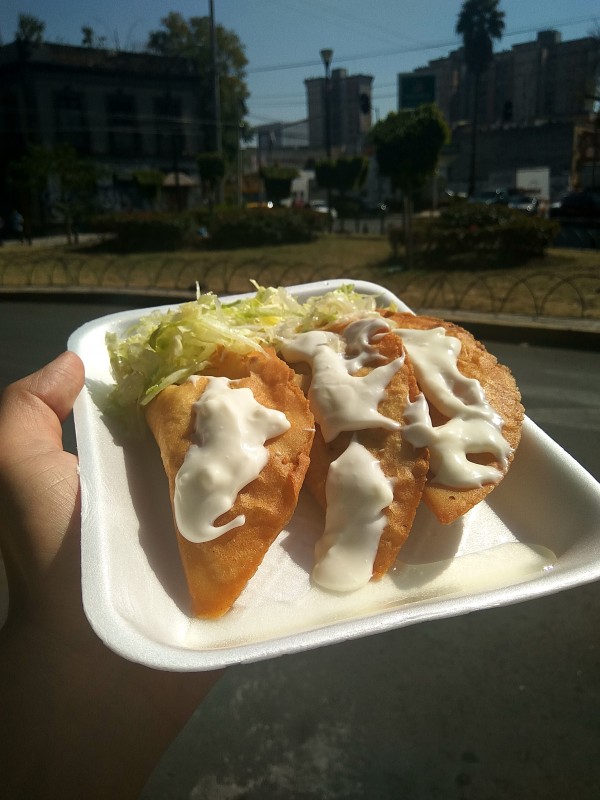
x,y
141,231
256,227
478,236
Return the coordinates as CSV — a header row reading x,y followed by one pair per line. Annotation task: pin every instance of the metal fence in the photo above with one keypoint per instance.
x,y
570,293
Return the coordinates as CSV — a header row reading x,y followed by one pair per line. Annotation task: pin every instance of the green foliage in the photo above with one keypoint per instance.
x,y
233,228
325,174
278,182
227,228
147,231
211,167
149,182
30,29
75,177
90,39
151,178
477,236
408,145
62,162
191,39
479,23
343,174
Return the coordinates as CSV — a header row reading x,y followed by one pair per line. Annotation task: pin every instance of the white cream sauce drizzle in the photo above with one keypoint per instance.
x,y
357,494
474,426
231,429
339,399
357,490
227,453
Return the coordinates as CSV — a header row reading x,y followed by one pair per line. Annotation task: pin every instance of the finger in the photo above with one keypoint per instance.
x,y
57,384
33,408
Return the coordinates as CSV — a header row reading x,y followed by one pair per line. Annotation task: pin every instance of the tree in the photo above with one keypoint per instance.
x,y
342,176
192,39
278,182
75,179
30,29
480,22
408,146
211,167
89,38
149,182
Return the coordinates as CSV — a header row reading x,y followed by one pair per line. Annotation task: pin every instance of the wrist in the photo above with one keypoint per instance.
x,y
65,702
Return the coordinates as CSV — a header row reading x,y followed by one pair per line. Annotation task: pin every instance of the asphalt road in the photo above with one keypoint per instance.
x,y
498,704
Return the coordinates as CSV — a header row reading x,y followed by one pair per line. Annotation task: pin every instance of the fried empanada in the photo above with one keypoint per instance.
x,y
501,392
218,570
400,462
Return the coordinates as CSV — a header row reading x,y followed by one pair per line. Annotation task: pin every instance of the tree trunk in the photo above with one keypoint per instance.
x,y
473,159
408,231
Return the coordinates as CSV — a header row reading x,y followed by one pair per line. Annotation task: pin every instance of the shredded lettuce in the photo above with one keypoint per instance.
x,y
166,347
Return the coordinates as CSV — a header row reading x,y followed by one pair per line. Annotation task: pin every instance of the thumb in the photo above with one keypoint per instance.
x,y
57,384
35,407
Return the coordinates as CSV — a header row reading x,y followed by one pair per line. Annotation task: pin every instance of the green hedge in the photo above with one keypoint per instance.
x,y
477,236
226,227
256,227
146,231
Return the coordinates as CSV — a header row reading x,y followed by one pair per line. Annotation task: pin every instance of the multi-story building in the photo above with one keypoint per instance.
x,y
124,111
546,80
533,99
349,111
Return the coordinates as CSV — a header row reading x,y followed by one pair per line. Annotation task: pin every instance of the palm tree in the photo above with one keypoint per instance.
x,y
479,23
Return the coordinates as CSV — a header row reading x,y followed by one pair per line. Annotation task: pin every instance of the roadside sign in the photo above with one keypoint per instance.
x,y
415,90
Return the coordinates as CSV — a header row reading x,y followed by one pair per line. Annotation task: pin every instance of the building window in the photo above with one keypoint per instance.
x,y
170,136
70,120
124,138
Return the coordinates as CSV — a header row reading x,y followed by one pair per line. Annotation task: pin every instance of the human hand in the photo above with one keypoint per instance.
x,y
78,720
39,495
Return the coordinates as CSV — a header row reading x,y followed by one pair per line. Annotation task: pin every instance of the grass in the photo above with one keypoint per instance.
x,y
565,283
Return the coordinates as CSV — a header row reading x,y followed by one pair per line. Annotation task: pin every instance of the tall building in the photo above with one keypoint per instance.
x,y
124,111
350,111
534,98
545,80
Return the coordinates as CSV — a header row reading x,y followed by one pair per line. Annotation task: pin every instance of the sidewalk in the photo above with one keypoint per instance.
x,y
58,240
579,333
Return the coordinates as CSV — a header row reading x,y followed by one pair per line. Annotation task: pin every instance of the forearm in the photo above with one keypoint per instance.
x,y
85,723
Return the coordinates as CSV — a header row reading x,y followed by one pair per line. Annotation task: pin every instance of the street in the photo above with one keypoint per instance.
x,y
502,704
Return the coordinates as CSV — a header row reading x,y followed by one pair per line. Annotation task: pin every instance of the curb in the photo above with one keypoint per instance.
x,y
563,332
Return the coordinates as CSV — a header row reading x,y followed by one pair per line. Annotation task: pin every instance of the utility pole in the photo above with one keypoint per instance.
x,y
218,137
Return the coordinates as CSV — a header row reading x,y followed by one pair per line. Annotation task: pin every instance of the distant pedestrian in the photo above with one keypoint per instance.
x,y
17,223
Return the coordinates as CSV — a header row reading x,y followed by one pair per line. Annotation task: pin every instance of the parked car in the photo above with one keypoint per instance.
x,y
577,208
322,207
524,202
492,197
513,198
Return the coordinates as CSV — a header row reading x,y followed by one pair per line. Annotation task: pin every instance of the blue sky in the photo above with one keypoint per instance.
x,y
283,38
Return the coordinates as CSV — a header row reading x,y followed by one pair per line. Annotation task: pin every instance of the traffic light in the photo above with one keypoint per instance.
x,y
364,103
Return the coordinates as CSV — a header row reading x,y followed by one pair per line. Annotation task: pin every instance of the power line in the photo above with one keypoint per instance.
x,y
419,48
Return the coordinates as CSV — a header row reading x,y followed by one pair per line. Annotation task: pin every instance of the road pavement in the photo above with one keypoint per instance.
x,y
496,705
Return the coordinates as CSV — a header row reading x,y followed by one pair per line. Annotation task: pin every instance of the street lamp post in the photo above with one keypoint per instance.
x,y
326,56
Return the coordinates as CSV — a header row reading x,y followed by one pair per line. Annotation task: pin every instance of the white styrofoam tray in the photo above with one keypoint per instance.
x,y
538,533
